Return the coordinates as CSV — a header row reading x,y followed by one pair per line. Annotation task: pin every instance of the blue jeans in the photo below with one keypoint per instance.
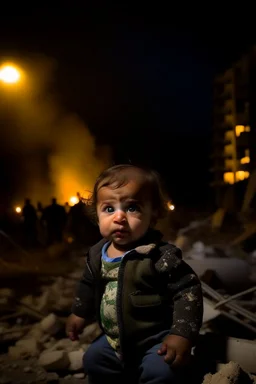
x,y
102,365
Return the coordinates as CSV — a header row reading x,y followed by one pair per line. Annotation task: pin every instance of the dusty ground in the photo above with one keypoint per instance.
x,y
29,372
52,261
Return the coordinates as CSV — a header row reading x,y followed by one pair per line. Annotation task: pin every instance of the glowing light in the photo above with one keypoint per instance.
x,y
18,209
170,206
73,200
245,160
70,240
9,74
229,177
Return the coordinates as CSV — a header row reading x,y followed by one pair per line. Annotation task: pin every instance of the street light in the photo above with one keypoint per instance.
x,y
9,74
170,206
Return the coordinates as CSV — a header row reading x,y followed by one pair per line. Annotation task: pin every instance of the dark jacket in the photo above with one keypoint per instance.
x,y
157,291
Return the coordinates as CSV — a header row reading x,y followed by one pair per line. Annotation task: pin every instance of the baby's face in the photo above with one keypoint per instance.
x,y
124,213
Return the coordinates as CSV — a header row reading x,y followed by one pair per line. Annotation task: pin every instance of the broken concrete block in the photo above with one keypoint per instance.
x,y
36,332
52,378
242,351
17,353
233,273
79,375
45,338
230,373
50,344
30,346
43,301
54,360
51,324
76,360
65,344
64,303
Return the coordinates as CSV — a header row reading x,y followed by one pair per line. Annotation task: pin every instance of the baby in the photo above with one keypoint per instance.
x,y
147,300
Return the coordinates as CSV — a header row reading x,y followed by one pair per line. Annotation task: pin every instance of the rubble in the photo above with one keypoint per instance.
x,y
32,327
230,373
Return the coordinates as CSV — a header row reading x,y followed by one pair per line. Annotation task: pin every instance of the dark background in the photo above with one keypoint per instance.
x,y
140,77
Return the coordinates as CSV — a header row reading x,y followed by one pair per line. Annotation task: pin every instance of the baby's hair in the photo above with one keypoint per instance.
x,y
120,175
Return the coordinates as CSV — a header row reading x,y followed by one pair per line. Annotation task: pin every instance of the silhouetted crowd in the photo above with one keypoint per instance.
x,y
56,223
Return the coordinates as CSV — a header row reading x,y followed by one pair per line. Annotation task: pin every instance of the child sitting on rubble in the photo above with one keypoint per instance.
x,y
147,300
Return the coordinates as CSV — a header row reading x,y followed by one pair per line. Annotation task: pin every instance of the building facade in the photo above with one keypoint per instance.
x,y
234,122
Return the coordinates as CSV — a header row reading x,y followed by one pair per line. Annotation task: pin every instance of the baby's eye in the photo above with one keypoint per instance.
x,y
133,208
109,209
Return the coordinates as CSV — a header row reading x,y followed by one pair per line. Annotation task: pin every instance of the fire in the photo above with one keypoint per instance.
x,y
73,200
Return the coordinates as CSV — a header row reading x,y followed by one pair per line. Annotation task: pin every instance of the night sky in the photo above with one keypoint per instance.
x,y
141,79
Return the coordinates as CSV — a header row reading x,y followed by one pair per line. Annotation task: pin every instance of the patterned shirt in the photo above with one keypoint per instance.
x,y
108,313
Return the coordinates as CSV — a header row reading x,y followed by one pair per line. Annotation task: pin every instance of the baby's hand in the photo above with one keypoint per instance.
x,y
177,350
74,326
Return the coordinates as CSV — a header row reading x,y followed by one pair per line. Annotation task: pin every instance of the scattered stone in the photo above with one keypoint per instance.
x,y
230,373
79,375
65,344
51,324
41,375
35,332
76,360
54,360
28,369
29,347
52,378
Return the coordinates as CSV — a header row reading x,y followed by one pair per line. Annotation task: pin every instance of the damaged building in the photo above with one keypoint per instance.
x,y
233,157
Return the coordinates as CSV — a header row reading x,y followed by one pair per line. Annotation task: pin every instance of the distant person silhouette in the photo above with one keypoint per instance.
x,y
29,223
54,216
81,226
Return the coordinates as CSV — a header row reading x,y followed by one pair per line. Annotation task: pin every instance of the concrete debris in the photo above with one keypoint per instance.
x,y
230,373
54,360
230,309
51,324
243,351
32,326
210,312
232,273
76,360
79,375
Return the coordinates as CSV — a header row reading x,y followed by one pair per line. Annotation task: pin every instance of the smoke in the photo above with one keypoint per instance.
x,y
56,155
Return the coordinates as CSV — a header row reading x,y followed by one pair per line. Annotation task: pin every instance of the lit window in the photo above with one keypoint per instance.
x,y
229,177
239,129
242,175
246,158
